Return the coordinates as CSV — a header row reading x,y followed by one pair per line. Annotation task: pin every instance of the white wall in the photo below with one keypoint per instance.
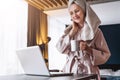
x,y
56,28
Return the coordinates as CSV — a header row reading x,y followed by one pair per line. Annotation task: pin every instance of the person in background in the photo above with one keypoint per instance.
x,y
93,49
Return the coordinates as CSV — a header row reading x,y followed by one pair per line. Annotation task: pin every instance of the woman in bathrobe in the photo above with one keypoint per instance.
x,y
93,49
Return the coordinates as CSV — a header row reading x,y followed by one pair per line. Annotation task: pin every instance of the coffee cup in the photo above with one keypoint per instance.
x,y
74,45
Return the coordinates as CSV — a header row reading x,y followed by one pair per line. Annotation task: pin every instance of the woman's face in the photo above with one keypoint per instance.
x,y
76,13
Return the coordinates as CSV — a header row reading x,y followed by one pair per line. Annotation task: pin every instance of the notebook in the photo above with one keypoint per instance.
x,y
33,63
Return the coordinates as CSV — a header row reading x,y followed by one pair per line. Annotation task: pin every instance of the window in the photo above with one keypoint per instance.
x,y
13,34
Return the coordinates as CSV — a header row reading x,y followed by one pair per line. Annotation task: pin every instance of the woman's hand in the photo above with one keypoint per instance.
x,y
74,29
84,47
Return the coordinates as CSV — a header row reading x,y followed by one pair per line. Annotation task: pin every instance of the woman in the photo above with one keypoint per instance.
x,y
93,49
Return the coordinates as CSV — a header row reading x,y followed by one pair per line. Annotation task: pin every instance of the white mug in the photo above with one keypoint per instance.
x,y
74,45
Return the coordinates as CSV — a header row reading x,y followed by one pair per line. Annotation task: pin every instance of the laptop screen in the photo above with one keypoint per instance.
x,y
32,61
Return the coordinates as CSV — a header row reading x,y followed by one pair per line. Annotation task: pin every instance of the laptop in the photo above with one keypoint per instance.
x,y
33,63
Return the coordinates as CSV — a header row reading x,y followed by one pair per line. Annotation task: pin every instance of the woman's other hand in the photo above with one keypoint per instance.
x,y
84,47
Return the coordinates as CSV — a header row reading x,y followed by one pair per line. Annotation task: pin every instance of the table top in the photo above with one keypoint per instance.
x,y
28,77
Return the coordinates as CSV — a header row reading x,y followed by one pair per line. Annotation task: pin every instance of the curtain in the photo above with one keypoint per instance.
x,y
13,34
55,30
37,30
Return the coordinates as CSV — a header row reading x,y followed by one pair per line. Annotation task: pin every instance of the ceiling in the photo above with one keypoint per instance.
x,y
107,10
48,4
45,5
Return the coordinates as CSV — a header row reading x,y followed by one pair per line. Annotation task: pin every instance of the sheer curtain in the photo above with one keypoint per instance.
x,y
13,34
55,29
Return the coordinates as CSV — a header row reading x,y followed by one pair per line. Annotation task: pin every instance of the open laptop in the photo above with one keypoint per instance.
x,y
33,62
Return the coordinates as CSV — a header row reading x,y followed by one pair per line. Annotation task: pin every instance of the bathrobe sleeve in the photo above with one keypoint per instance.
x,y
63,44
101,51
